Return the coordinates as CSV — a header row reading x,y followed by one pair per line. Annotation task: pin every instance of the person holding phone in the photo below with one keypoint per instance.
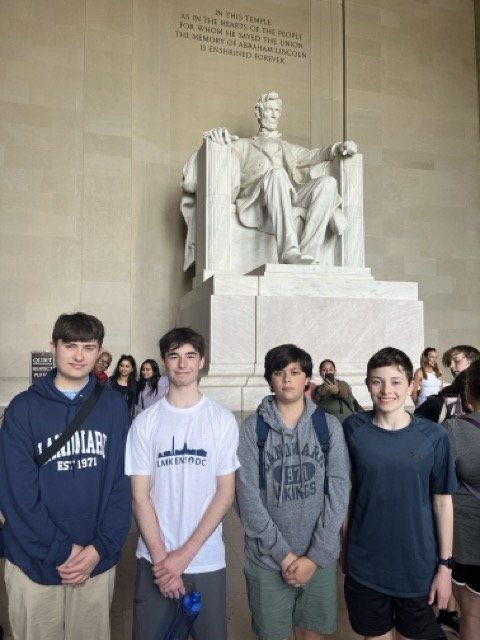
x,y
334,396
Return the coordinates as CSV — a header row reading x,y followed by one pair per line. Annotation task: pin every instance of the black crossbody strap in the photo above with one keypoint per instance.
x,y
72,427
471,420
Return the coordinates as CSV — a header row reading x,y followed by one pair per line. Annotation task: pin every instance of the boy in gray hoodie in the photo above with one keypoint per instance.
x,y
292,528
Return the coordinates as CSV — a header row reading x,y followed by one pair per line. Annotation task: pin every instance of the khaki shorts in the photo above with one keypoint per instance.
x,y
49,612
277,607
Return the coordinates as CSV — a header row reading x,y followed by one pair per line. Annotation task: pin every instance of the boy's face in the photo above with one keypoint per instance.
x,y
288,384
183,365
459,363
389,388
74,360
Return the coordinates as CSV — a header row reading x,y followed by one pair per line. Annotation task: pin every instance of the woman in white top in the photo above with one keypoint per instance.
x,y
428,380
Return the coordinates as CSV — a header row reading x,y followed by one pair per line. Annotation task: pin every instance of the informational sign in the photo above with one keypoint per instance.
x,y
42,362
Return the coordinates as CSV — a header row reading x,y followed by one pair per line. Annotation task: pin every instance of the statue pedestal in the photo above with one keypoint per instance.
x,y
341,313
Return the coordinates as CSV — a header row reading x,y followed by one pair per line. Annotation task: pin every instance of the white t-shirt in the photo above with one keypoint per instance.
x,y
184,450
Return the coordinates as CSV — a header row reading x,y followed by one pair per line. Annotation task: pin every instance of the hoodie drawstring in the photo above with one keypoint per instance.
x,y
282,478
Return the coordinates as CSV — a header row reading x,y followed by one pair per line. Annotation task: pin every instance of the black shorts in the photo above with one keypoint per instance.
x,y
467,575
373,613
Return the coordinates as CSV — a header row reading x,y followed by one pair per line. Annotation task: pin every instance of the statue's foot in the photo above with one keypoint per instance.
x,y
295,257
292,257
306,259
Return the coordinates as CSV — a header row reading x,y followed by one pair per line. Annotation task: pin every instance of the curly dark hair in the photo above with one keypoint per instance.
x,y
279,357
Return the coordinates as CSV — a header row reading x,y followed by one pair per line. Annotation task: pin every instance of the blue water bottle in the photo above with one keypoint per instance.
x,y
188,609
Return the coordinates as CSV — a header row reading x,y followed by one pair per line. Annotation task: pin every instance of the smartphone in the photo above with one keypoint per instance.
x,y
330,377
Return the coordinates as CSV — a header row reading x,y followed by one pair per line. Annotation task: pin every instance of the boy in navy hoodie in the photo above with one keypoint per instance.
x,y
66,520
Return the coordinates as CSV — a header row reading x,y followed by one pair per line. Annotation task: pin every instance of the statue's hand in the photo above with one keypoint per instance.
x,y
221,135
346,148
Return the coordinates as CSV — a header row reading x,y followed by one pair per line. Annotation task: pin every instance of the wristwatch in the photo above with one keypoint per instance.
x,y
447,562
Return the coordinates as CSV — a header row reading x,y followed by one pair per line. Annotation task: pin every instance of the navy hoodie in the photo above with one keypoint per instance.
x,y
80,496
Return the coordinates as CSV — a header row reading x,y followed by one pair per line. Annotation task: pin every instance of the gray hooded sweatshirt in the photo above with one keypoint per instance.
x,y
292,514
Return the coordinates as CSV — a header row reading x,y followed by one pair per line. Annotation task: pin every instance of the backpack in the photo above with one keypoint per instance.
x,y
321,430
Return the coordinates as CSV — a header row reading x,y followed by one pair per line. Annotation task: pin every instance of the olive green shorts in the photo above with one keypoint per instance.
x,y
277,607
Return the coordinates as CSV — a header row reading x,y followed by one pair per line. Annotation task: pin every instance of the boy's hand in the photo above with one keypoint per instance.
x,y
76,548
173,589
287,561
79,567
172,565
299,572
441,588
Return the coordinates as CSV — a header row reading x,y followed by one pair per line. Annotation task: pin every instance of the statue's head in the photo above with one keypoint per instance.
x,y
268,110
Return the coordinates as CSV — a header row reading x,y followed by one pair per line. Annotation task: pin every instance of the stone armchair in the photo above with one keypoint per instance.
x,y
222,245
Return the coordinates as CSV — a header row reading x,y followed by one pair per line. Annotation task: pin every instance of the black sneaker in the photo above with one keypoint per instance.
x,y
449,621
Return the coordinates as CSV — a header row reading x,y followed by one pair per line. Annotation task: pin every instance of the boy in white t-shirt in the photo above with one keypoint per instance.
x,y
181,456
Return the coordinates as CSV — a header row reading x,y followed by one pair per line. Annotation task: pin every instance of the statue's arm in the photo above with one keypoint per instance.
x,y
308,164
303,158
345,148
221,135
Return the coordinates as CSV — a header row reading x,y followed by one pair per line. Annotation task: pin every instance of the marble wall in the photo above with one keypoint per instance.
x,y
101,101
412,103
476,4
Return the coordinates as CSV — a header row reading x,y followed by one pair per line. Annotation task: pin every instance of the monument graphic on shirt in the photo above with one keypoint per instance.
x,y
185,455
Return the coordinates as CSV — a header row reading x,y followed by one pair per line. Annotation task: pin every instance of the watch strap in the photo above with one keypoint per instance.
x,y
447,562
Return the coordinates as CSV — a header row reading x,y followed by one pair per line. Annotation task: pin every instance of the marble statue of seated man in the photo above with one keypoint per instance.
x,y
273,183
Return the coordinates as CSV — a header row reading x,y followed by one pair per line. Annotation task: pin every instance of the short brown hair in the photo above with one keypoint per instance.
x,y
78,327
389,356
178,337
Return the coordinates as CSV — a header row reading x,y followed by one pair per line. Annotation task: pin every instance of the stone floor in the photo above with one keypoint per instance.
x,y
238,614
